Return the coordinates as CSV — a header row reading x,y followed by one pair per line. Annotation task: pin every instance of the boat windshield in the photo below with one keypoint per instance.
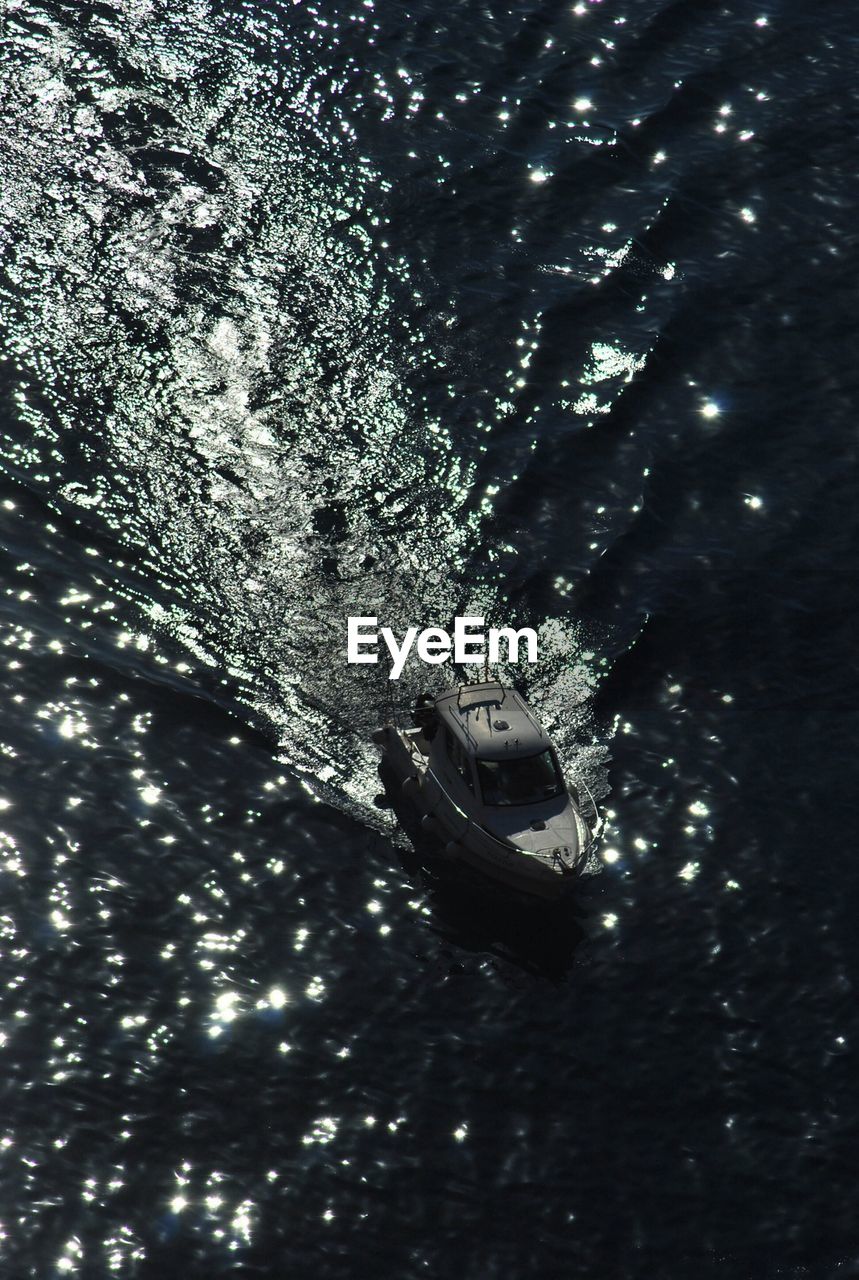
x,y
520,780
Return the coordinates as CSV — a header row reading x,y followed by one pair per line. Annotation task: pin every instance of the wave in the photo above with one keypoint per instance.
x,y
207,373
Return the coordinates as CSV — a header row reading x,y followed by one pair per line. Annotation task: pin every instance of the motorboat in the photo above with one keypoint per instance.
x,y
485,780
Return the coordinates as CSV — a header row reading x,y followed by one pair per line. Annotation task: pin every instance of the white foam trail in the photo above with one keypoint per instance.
x,y
214,371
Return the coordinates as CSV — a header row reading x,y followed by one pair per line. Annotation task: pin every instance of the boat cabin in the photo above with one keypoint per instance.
x,y
487,742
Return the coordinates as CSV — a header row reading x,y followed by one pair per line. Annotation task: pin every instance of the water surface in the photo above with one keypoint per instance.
x,y
542,313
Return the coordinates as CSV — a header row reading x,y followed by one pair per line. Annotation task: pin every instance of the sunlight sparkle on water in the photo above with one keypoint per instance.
x,y
225,1006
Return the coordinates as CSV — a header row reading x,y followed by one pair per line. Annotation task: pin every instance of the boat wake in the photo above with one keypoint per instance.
x,y
208,352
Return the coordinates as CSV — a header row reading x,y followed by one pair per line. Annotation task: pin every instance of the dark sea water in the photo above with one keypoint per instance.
x,y
546,312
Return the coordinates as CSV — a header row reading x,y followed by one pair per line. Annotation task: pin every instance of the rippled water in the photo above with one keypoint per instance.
x,y
544,313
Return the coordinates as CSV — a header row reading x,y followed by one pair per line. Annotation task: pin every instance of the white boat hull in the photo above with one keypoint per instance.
x,y
538,874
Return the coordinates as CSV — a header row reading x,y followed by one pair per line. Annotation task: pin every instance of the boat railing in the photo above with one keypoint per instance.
x,y
535,722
